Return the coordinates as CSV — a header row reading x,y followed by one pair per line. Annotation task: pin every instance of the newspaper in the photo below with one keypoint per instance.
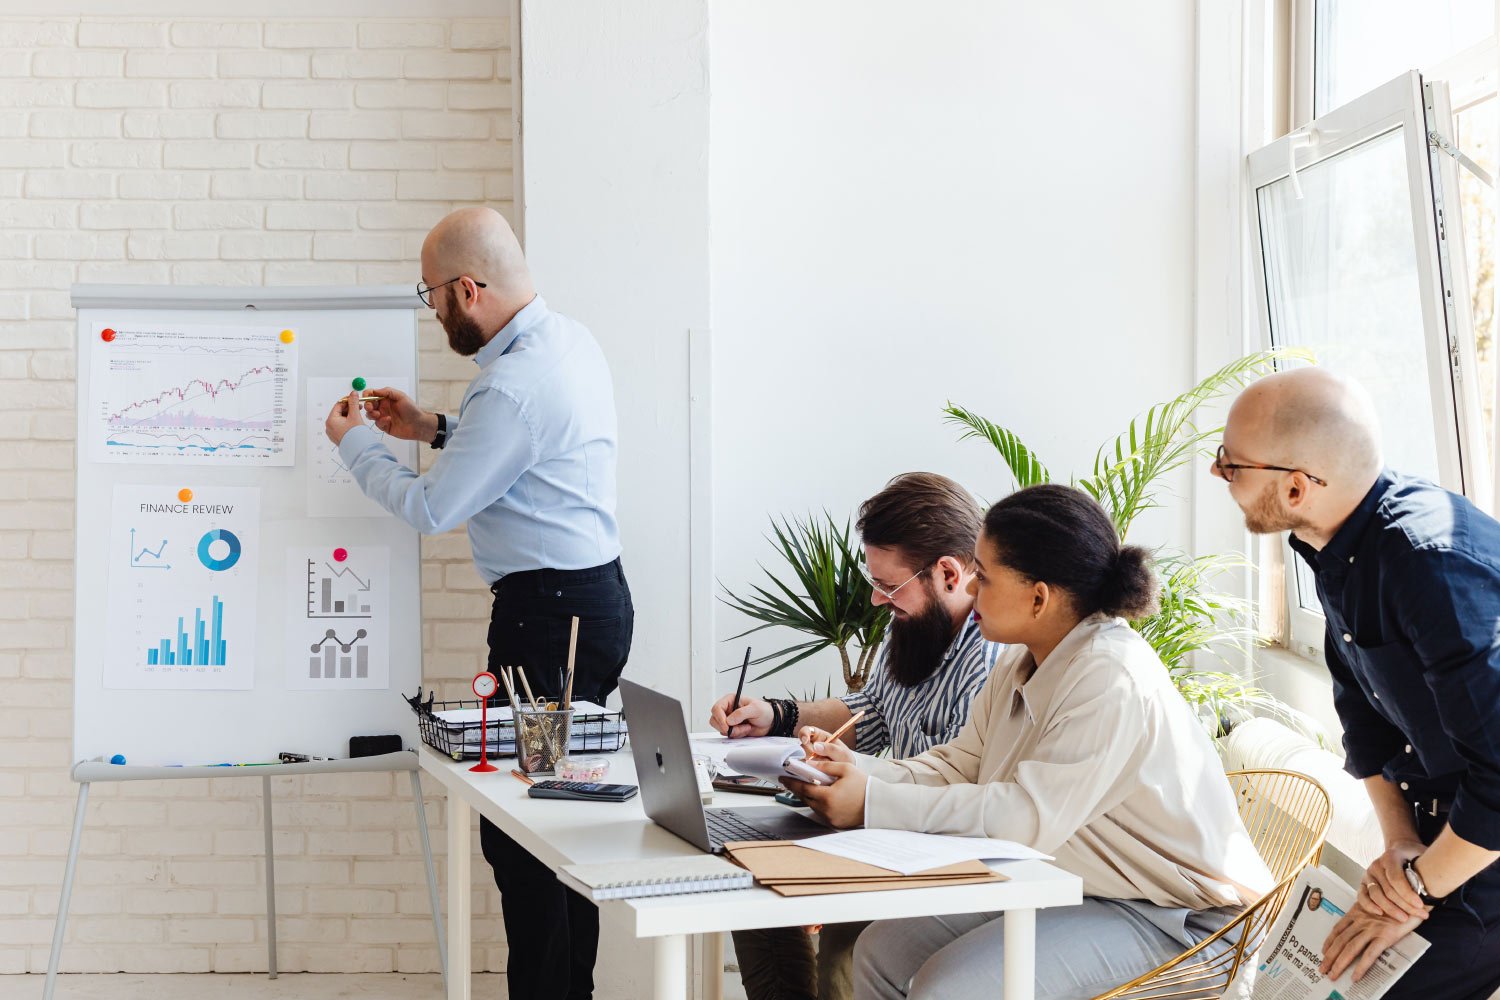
x,y
1293,950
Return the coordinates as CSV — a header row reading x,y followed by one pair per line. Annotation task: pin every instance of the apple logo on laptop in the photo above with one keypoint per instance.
x,y
660,764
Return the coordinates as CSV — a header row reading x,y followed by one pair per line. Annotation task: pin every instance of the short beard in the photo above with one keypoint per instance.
x,y
465,335
917,644
1265,516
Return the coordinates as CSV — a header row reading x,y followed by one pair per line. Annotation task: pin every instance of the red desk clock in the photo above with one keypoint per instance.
x,y
485,686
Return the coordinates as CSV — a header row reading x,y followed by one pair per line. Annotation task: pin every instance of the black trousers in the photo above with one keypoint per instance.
x,y
552,932
1464,960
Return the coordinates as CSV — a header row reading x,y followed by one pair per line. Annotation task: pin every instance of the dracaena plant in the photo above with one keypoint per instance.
x,y
1129,477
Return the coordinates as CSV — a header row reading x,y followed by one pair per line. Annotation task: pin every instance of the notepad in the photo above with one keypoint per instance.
x,y
671,877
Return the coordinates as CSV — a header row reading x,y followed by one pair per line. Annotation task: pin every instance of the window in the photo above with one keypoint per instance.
x,y
1362,256
1360,44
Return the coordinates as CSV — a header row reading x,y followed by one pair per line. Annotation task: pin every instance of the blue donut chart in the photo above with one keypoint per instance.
x,y
219,535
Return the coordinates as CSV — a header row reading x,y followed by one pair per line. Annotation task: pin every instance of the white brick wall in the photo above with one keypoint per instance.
x,y
198,151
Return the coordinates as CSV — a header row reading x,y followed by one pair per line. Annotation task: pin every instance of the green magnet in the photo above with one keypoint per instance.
x,y
359,385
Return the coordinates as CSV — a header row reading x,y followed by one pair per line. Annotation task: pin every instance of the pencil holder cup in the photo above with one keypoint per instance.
x,y
542,738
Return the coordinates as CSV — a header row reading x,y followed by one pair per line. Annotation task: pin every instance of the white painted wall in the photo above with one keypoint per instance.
x,y
615,168
988,203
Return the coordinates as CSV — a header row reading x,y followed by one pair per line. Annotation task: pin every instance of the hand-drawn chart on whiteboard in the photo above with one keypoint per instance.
x,y
338,621
167,395
331,489
183,579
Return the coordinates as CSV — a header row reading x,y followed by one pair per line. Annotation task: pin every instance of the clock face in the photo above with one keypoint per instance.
x,y
485,685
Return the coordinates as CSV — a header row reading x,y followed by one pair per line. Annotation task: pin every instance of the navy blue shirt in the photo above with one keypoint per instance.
x,y
1411,588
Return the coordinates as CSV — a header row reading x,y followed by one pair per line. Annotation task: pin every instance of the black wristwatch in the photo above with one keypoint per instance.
x,y
1414,879
442,433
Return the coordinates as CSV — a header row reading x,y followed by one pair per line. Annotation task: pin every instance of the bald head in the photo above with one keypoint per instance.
x,y
479,243
1312,419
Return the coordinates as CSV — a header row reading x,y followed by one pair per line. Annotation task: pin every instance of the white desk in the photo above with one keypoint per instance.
x,y
560,832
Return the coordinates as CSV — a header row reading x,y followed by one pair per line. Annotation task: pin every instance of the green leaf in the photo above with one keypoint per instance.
x,y
1025,467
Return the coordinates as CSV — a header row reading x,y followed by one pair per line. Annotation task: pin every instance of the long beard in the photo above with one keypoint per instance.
x,y
465,335
917,644
1265,516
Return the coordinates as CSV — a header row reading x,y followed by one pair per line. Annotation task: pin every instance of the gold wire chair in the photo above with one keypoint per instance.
x,y
1287,815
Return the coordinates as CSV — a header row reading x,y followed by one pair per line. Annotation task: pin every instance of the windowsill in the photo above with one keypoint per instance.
x,y
1300,682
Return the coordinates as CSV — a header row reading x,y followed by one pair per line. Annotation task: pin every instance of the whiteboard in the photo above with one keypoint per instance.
x,y
340,333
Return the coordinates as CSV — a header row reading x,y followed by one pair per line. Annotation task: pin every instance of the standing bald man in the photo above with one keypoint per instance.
x,y
1409,577
529,463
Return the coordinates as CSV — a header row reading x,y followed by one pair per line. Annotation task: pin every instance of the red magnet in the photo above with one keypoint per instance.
x,y
107,335
339,555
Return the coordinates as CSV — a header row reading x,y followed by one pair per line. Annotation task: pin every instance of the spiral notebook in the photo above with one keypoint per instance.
x,y
668,877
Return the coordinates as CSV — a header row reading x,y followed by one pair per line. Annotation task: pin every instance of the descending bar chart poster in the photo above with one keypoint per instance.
x,y
182,588
167,395
338,628
331,489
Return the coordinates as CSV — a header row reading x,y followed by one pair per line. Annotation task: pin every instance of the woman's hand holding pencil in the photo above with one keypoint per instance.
x,y
816,743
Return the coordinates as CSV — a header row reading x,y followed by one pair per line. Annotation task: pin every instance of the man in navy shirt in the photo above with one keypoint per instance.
x,y
1409,578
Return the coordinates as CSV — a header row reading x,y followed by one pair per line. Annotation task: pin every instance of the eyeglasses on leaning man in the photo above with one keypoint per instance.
x,y
1226,469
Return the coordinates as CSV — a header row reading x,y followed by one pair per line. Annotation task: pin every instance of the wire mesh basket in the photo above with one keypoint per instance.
x,y
446,727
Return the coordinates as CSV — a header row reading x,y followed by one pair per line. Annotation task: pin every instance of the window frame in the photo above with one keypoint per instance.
x,y
1415,107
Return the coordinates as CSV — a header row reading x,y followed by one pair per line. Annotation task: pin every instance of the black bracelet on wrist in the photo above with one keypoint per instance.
x,y
442,431
796,714
776,716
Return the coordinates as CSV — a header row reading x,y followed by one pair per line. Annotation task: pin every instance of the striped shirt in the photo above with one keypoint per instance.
x,y
911,720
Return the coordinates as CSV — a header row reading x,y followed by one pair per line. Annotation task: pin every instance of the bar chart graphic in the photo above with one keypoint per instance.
x,y
336,591
333,658
338,631
205,646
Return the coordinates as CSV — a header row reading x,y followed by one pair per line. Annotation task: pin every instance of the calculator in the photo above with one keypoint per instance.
x,y
592,791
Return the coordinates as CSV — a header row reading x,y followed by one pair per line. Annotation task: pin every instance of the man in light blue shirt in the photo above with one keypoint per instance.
x,y
529,464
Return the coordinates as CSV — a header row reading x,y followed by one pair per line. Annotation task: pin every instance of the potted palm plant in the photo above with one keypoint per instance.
x,y
1128,478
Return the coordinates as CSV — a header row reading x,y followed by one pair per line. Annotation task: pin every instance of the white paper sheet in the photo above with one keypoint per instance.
x,y
331,489
220,396
713,745
907,852
338,617
183,582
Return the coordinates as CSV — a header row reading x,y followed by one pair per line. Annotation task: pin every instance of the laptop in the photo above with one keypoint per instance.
x,y
669,789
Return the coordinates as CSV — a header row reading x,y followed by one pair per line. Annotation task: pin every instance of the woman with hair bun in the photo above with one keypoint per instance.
x,y
1078,746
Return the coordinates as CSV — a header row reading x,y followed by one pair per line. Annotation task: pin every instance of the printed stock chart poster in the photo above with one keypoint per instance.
x,y
170,395
183,579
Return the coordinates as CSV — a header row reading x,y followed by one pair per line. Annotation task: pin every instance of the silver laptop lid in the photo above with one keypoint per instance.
x,y
664,763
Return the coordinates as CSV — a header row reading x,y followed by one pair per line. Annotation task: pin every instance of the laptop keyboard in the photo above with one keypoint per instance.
x,y
724,827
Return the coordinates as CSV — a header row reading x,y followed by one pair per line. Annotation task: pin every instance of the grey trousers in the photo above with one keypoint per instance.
x,y
1081,951
779,963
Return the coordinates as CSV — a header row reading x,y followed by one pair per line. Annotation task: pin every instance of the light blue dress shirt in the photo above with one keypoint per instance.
x,y
530,460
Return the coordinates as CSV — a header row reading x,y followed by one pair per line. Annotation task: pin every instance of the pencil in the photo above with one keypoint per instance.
x,y
740,688
841,730
509,688
572,653
526,685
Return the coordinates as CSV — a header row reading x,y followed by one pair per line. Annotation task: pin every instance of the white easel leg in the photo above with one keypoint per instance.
x,y
265,785
459,902
671,967
713,966
1020,954
432,890
67,892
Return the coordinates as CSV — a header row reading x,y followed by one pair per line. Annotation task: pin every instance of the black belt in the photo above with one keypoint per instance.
x,y
542,581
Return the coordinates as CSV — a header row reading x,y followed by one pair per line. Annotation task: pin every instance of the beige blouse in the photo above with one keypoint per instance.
x,y
1093,757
